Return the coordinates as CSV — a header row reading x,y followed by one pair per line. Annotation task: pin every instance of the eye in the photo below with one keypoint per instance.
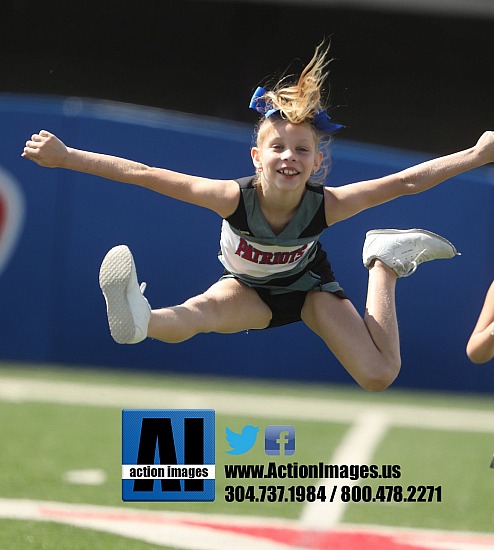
x,y
277,147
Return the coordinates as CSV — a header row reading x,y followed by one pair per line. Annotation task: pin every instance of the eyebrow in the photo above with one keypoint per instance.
x,y
278,137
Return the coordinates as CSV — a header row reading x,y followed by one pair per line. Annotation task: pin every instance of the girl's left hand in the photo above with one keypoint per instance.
x,y
485,147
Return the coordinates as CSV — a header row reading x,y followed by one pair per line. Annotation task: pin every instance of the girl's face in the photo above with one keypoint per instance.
x,y
286,154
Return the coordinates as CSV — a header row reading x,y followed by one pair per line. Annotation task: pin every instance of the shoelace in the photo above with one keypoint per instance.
x,y
413,263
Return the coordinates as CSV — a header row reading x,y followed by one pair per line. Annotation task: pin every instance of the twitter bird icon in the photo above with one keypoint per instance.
x,y
242,442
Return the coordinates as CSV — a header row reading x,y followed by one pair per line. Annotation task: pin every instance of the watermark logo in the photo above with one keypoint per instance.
x,y
242,442
168,455
279,440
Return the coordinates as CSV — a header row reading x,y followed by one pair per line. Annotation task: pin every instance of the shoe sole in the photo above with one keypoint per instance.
x,y
423,231
114,276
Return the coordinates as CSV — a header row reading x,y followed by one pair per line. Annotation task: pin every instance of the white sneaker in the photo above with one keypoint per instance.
x,y
403,250
128,310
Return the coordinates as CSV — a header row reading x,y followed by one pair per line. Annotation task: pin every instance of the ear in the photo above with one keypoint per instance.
x,y
256,157
317,161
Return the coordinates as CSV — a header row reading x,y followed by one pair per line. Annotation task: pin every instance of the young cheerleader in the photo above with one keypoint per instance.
x,y
276,271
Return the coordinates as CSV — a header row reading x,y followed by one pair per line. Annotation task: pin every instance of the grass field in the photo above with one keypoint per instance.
x,y
60,466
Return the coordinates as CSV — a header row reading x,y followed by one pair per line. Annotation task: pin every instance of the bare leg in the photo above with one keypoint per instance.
x,y
380,312
226,307
368,348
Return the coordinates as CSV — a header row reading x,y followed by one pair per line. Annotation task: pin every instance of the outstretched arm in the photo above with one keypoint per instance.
x,y
347,200
480,346
221,196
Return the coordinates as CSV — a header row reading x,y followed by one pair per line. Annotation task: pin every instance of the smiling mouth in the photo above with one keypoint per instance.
x,y
288,172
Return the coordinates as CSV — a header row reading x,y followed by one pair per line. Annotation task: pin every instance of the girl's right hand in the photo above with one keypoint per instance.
x,y
46,150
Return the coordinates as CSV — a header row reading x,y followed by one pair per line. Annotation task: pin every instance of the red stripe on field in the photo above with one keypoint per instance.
x,y
316,540
342,538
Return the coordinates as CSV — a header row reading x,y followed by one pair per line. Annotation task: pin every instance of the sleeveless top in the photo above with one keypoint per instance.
x,y
290,260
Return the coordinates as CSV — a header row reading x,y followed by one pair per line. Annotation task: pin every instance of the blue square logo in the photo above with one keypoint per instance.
x,y
279,440
168,455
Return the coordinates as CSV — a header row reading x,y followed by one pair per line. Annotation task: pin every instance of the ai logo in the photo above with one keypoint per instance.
x,y
168,455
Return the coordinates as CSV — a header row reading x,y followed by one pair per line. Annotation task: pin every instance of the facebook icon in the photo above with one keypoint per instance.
x,y
279,440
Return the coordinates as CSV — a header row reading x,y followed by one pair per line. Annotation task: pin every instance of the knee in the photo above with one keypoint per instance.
x,y
380,378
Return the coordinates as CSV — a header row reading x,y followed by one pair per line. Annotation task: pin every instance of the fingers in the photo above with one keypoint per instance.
x,y
34,143
32,146
39,137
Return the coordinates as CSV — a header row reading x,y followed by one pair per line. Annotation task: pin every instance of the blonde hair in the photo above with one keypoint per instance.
x,y
300,102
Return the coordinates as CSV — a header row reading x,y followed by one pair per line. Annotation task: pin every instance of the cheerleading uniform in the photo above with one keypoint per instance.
x,y
282,267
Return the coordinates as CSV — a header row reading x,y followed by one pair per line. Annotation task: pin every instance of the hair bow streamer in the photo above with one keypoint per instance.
x,y
321,120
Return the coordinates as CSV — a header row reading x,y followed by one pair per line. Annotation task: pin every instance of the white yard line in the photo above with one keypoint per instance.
x,y
236,403
358,447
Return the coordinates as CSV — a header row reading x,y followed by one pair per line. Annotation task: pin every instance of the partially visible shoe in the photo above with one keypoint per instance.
x,y
128,310
403,250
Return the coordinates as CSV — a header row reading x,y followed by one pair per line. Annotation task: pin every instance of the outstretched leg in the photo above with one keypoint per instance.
x,y
228,306
369,348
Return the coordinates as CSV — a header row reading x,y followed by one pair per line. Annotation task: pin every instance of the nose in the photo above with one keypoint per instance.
x,y
288,154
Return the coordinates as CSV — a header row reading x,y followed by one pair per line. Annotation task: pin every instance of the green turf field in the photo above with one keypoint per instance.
x,y
59,420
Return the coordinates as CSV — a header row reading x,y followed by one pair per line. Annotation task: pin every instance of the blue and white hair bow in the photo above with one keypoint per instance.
x,y
321,120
